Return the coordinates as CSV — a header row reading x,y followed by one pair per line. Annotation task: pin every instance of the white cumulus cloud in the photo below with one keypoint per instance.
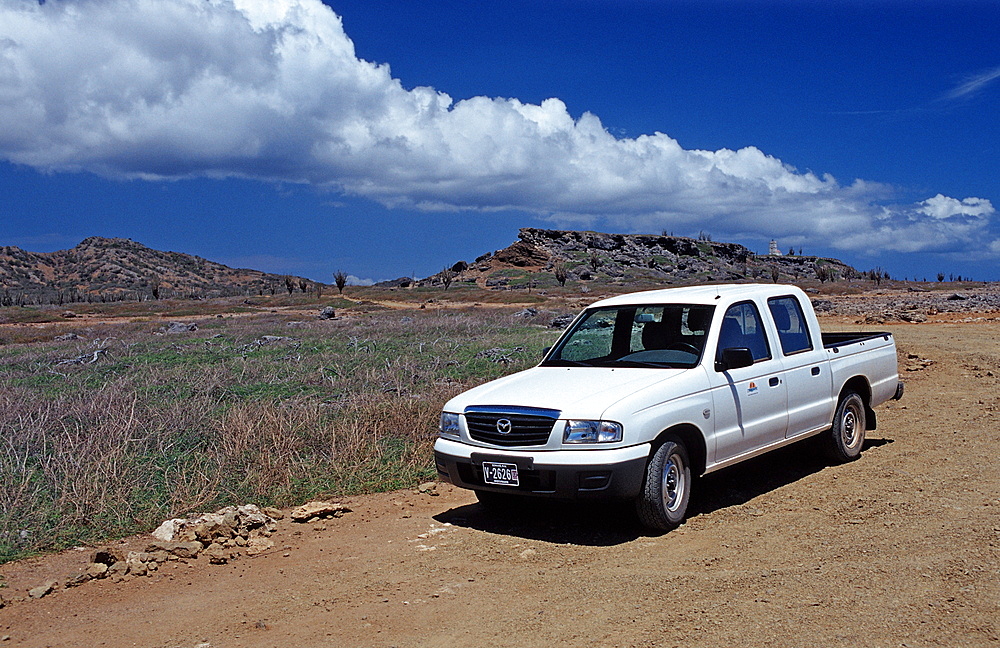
x,y
357,281
273,90
944,207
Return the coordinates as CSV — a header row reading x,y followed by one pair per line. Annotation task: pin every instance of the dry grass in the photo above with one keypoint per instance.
x,y
153,425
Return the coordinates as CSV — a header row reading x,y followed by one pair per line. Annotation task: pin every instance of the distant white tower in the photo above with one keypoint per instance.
x,y
774,251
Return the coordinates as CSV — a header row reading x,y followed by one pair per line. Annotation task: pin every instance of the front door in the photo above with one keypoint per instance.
x,y
750,402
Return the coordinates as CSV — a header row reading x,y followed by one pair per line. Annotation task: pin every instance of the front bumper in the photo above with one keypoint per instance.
x,y
567,474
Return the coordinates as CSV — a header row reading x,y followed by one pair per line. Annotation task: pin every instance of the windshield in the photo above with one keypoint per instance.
x,y
662,335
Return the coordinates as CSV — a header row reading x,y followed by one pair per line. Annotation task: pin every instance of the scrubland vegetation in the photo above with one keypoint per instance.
x,y
111,433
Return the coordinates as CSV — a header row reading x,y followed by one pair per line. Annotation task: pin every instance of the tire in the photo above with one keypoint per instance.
x,y
847,435
663,502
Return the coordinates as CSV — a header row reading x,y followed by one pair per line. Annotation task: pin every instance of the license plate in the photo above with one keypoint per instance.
x,y
500,474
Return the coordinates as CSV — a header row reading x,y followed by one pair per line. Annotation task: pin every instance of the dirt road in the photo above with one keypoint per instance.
x,y
900,548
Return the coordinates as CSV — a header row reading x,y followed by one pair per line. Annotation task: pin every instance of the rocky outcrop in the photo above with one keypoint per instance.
x,y
633,248
523,254
112,269
632,259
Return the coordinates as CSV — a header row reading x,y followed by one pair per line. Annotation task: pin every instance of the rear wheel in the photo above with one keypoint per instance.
x,y
847,435
666,491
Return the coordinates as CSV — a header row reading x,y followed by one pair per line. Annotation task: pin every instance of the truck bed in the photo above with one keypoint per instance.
x,y
838,339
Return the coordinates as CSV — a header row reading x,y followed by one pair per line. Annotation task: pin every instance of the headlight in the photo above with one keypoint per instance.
x,y
592,432
449,424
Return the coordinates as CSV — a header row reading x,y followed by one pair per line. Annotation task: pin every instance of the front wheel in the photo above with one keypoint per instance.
x,y
847,435
666,490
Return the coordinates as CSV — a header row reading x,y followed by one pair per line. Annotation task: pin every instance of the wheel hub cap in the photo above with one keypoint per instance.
x,y
672,485
850,425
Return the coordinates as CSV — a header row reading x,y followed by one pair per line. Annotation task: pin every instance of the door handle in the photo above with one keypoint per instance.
x,y
774,382
815,371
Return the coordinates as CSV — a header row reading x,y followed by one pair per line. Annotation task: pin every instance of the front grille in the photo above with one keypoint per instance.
x,y
525,429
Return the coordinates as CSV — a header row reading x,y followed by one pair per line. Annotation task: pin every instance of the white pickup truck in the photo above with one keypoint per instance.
x,y
644,391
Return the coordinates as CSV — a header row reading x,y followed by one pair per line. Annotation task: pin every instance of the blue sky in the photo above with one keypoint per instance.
x,y
392,138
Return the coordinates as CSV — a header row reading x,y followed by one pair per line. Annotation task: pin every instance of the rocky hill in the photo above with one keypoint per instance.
x,y
542,257
103,269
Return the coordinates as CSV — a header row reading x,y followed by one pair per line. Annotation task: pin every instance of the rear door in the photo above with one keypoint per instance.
x,y
750,402
807,371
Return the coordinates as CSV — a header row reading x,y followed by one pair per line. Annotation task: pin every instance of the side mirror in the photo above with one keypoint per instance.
x,y
736,358
546,350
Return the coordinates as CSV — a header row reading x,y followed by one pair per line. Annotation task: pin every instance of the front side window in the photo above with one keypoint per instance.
x,y
793,335
655,335
742,329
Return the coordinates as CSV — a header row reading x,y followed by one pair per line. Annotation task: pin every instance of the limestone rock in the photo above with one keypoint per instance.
x,y
217,554
118,569
211,527
179,327
97,570
912,316
107,556
257,546
273,513
562,321
43,590
180,549
168,530
310,510
77,579
223,525
328,312
251,518
136,565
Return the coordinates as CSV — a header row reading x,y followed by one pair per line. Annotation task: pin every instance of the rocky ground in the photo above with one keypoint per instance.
x,y
899,548
945,303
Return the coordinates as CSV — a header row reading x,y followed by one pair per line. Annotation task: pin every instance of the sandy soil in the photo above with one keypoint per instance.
x,y
899,548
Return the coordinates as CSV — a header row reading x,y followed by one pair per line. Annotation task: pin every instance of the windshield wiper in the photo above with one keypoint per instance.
x,y
562,362
646,364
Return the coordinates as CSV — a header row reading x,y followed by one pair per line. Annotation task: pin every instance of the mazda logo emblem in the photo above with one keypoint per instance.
x,y
504,426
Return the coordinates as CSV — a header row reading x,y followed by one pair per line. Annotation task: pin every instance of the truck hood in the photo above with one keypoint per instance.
x,y
578,392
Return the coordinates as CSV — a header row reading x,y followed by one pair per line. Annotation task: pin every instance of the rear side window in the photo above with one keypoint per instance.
x,y
791,324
